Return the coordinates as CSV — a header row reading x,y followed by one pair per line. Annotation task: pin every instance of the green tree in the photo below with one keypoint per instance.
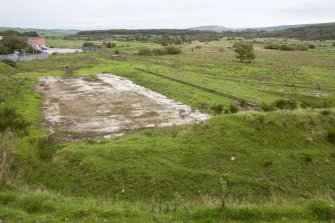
x,y
244,50
13,43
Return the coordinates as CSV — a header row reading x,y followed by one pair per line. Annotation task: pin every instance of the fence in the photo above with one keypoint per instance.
x,y
19,57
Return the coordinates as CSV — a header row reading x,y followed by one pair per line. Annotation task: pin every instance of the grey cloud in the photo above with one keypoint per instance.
x,y
97,14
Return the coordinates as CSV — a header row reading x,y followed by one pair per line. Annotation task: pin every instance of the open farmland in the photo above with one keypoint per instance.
x,y
269,165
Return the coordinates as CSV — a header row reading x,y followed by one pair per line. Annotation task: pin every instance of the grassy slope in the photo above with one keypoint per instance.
x,y
191,160
187,160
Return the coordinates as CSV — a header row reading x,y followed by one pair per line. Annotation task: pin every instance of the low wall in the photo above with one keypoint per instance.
x,y
17,57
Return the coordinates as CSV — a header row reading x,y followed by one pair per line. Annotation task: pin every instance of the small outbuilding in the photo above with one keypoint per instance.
x,y
36,42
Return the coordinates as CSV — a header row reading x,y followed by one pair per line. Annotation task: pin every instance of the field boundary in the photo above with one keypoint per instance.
x,y
219,93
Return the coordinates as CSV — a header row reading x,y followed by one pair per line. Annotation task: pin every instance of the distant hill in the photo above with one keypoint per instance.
x,y
212,28
44,32
324,31
225,29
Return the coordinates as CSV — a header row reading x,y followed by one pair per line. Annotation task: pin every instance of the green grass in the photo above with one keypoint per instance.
x,y
39,205
284,160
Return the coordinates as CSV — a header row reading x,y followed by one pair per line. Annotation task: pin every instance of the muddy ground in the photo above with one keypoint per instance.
x,y
79,108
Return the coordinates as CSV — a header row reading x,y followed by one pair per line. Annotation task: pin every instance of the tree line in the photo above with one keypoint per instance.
x,y
313,32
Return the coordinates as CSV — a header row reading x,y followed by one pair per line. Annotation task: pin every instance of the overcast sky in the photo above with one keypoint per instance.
x,y
107,14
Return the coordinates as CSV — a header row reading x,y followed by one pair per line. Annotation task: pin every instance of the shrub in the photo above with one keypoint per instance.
x,y
285,47
36,203
198,47
10,63
88,44
325,112
321,209
268,107
267,163
172,50
333,44
117,52
286,104
11,120
217,108
244,51
113,45
311,46
331,136
6,198
159,51
46,148
107,44
308,158
233,108
145,52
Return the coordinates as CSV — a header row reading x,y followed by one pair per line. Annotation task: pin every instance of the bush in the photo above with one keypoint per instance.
x,y
308,158
322,210
325,112
331,136
107,44
36,204
145,52
268,107
172,50
10,63
233,108
11,120
311,46
267,163
88,44
286,104
159,51
217,108
117,52
333,44
287,47
46,148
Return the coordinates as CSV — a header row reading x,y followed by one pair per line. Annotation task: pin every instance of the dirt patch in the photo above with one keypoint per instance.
x,y
76,108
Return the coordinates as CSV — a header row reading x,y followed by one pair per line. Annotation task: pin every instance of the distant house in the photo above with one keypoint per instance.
x,y
36,42
0,37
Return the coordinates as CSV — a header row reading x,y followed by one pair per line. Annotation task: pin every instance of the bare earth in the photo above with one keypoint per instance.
x,y
78,109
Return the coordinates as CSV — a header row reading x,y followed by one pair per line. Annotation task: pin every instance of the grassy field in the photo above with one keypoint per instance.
x,y
278,166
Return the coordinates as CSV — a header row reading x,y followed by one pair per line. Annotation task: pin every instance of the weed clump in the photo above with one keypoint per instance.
x,y
217,108
286,104
10,120
145,52
268,107
268,163
46,148
321,209
36,204
331,136
10,63
233,108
